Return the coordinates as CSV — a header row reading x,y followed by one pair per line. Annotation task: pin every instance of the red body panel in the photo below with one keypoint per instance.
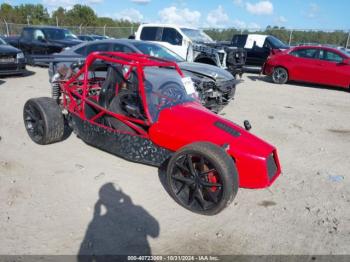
x,y
191,122
313,70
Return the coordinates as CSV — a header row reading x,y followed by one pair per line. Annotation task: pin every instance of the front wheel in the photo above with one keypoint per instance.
x,y
279,75
202,178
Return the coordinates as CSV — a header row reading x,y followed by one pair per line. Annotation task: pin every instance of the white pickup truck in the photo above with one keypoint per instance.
x,y
194,45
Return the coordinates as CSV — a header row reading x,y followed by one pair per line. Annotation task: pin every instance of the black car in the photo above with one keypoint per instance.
x,y
215,86
11,59
258,48
39,41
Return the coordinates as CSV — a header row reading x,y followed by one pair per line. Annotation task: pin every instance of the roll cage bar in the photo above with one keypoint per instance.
x,y
76,91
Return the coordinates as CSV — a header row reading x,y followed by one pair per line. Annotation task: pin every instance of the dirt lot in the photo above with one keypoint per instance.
x,y
69,198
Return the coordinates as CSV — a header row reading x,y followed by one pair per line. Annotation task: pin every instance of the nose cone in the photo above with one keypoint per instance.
x,y
191,122
188,123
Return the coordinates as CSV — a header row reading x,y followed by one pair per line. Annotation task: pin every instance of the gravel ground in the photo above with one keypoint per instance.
x,y
70,198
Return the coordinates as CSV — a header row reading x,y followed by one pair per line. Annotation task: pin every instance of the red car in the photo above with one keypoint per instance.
x,y
313,64
146,111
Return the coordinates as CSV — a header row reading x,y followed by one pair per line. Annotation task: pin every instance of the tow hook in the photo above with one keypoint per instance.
x,y
247,125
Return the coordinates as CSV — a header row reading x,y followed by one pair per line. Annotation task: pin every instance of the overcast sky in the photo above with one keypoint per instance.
x,y
317,14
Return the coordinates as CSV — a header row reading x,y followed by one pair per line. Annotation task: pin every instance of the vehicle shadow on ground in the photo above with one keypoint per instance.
x,y
2,82
301,84
318,86
260,78
26,73
118,227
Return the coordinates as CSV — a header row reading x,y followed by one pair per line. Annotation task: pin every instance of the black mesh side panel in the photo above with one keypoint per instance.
x,y
130,147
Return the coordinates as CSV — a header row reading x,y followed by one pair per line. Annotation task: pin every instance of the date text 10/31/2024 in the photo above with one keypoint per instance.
x,y
173,258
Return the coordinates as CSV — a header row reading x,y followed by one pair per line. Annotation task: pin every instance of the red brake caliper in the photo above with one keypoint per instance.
x,y
212,179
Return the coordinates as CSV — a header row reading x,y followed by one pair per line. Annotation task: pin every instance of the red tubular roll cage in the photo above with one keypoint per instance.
x,y
77,100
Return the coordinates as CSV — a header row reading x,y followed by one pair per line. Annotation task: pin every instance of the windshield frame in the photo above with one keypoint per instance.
x,y
277,43
344,52
3,42
201,36
156,89
174,57
67,34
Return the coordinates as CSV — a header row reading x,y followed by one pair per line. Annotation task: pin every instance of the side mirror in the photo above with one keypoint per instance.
x,y
41,39
346,61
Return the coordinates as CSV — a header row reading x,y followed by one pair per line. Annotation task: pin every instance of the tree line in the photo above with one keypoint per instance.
x,y
37,14
84,16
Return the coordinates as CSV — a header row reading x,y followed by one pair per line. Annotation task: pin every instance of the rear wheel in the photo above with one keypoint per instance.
x,y
279,75
43,120
202,177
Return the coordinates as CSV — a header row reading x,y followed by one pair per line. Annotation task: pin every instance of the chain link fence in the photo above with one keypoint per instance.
x,y
289,36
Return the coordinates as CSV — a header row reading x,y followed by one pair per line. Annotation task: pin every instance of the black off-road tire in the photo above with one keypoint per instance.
x,y
43,120
215,158
280,75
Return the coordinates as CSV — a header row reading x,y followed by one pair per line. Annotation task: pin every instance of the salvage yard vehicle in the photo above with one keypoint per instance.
x,y
92,37
258,48
146,112
313,64
11,60
215,86
194,45
37,41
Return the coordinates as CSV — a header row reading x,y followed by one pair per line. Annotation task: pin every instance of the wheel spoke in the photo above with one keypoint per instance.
x,y
181,188
182,168
190,164
208,184
201,164
31,114
190,197
210,194
207,172
200,198
187,181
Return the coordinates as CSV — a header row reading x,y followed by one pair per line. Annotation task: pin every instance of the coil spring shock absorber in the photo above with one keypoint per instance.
x,y
55,87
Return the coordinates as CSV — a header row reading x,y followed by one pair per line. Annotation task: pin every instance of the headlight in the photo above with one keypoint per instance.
x,y
20,55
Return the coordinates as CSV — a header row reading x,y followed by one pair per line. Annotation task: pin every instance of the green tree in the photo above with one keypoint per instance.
x,y
81,15
6,12
59,15
36,14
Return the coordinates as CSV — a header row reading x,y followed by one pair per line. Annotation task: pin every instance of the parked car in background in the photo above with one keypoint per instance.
x,y
11,59
92,37
36,41
313,64
215,86
193,45
258,48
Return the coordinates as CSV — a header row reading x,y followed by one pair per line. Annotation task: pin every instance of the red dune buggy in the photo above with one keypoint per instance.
x,y
143,109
